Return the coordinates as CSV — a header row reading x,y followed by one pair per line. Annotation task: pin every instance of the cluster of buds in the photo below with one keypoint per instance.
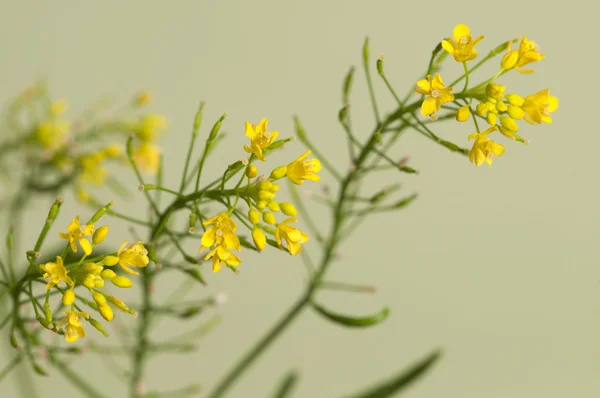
x,y
499,110
260,194
90,276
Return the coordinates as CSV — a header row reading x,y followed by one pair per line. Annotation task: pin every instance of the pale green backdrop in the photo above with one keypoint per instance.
x,y
498,266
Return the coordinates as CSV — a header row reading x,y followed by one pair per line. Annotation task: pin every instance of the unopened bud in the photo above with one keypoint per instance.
x,y
121,281
273,206
269,218
106,312
463,114
259,238
279,172
68,297
254,216
288,209
100,235
251,171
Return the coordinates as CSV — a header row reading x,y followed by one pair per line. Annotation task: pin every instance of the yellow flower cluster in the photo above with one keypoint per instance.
x,y
260,195
91,276
147,130
499,110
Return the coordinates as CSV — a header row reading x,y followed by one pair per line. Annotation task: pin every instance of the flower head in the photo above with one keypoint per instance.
x,y
220,255
73,327
437,93
484,149
135,255
147,157
259,138
293,237
301,169
221,233
462,45
55,273
150,127
539,106
76,233
52,134
527,53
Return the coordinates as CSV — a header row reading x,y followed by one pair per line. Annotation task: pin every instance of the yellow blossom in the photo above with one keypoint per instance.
x,y
221,255
527,53
136,255
259,138
537,107
462,46
147,157
52,134
91,169
59,107
437,93
222,233
75,233
293,237
73,327
55,273
150,126
484,149
301,169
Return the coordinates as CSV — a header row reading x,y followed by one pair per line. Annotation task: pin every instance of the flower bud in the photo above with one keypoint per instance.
x,y
121,281
265,195
108,274
110,260
510,59
273,206
254,216
288,209
501,106
265,185
106,312
99,235
515,112
260,205
68,297
99,298
509,123
121,305
279,172
515,99
269,218
491,118
252,171
89,281
99,282
463,114
259,238
112,151
274,188
507,133
495,90
482,109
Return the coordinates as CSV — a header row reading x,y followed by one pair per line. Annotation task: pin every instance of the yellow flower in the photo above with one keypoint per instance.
x,y
56,272
438,94
484,149
73,327
462,47
91,169
59,107
75,233
147,157
52,134
150,126
135,255
527,53
259,138
222,233
537,107
301,169
294,238
221,255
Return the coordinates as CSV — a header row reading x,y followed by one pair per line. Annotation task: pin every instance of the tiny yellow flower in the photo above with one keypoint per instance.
x,y
136,255
221,255
462,46
527,53
75,233
293,237
55,273
150,127
437,93
91,169
73,327
147,157
539,106
222,233
52,134
301,169
59,107
484,149
463,114
259,138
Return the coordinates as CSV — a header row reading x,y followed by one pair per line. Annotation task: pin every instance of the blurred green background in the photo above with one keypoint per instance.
x,y
498,266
